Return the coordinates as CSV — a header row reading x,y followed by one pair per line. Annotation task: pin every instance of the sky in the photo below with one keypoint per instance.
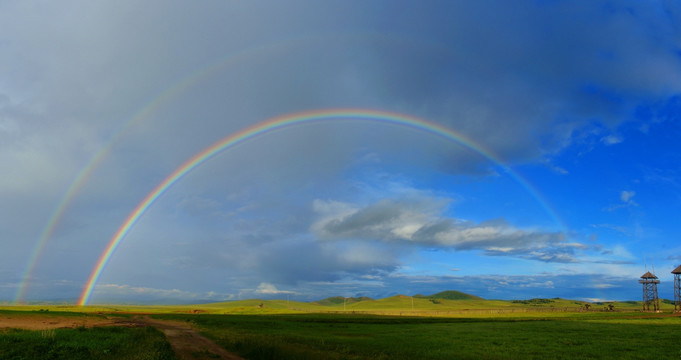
x,y
560,175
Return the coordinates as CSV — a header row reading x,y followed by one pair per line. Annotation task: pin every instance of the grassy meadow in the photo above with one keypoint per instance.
x,y
145,343
446,303
336,336
442,326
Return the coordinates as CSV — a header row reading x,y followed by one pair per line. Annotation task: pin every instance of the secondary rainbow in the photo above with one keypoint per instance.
x,y
146,112
194,78
278,123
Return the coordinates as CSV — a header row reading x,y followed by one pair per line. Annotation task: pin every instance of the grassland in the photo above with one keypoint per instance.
x,y
399,327
448,303
85,343
334,336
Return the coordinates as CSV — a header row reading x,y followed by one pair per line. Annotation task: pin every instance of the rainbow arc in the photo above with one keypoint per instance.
x,y
279,123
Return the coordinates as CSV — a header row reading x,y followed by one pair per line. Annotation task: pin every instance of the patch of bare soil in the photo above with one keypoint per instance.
x,y
36,322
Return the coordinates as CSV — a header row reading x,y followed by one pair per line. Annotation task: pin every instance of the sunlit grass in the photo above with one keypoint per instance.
x,y
396,305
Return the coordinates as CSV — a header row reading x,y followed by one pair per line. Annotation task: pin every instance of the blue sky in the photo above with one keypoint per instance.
x,y
579,99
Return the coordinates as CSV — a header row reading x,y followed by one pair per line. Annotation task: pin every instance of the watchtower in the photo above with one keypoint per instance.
x,y
650,282
677,288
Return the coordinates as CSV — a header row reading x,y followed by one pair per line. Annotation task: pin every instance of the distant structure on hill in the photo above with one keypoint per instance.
x,y
650,282
677,289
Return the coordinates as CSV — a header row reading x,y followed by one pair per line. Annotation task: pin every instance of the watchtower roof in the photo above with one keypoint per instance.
x,y
677,270
649,275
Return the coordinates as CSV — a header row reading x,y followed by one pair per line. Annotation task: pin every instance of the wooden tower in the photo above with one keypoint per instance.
x,y
677,288
650,282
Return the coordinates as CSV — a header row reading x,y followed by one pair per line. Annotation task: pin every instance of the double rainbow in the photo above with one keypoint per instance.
x,y
278,123
146,112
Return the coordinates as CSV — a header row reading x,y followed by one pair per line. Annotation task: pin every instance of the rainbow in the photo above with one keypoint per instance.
x,y
278,123
77,183
147,111
243,56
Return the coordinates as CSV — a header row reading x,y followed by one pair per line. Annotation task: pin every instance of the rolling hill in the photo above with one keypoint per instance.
x,y
450,295
339,300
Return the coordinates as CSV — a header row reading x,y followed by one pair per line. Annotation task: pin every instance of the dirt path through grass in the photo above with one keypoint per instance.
x,y
185,341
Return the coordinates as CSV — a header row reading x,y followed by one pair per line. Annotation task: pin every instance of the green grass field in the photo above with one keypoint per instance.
x,y
443,304
81,343
399,327
335,336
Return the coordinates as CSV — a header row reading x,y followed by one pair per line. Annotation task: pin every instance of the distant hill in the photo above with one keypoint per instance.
x,y
339,300
450,295
444,295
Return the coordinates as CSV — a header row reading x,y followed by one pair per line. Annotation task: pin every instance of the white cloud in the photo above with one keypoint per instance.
x,y
604,286
612,139
560,170
627,195
591,299
420,221
627,198
544,284
269,289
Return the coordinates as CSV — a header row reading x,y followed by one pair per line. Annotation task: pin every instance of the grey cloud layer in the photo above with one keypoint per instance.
x,y
500,73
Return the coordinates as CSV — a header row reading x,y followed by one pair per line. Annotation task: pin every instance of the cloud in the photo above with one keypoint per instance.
x,y
421,222
491,286
627,198
386,219
501,286
590,80
612,139
560,170
107,293
618,228
544,284
197,205
616,262
522,80
269,289
627,195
